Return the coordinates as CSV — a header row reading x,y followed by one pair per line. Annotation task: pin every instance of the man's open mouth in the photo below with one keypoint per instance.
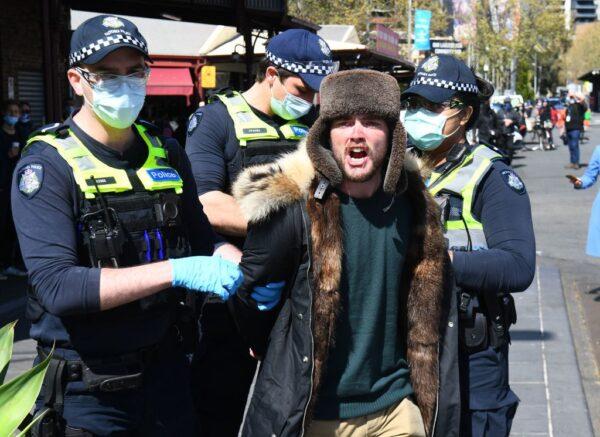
x,y
358,155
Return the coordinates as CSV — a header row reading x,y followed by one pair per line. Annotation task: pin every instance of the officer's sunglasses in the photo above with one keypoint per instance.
x,y
99,79
414,103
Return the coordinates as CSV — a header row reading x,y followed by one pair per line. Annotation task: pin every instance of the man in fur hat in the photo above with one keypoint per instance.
x,y
346,295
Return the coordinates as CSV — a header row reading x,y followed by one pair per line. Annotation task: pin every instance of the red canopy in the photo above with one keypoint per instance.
x,y
170,82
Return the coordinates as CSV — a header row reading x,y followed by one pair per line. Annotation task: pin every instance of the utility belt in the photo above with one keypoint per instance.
x,y
110,375
484,320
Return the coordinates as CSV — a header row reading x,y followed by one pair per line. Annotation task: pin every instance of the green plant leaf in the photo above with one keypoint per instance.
x,y
18,396
37,418
7,335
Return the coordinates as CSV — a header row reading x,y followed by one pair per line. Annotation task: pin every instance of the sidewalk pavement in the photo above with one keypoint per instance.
x,y
556,341
543,365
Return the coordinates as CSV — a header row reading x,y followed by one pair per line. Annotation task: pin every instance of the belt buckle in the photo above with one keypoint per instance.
x,y
120,383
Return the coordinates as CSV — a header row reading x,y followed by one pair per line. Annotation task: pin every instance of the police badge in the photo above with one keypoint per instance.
x,y
30,179
513,181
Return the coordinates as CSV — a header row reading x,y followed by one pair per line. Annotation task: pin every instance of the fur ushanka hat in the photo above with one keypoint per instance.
x,y
355,92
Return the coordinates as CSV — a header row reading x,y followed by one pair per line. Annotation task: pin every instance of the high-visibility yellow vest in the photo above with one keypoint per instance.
x,y
463,181
249,127
93,176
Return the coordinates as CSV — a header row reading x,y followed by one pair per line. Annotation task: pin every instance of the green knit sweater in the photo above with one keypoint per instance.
x,y
367,369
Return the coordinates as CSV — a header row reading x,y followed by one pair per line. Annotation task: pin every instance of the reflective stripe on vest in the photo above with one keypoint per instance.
x,y
249,127
92,175
463,181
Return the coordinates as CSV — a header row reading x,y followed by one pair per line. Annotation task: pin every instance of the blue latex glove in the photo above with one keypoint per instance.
x,y
208,274
268,296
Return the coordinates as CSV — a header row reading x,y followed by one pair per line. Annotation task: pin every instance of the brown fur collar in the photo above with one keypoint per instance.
x,y
263,190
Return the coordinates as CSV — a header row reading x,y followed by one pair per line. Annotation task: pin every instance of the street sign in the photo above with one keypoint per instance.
x,y
208,76
386,41
422,23
447,47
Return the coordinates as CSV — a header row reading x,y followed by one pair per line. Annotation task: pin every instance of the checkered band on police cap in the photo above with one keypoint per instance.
x,y
316,67
447,84
106,41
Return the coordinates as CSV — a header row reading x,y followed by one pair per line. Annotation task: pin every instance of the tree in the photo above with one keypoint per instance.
x,y
584,54
542,41
530,32
353,12
358,13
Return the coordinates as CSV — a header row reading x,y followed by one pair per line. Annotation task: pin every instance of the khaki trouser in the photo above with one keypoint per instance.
x,y
403,419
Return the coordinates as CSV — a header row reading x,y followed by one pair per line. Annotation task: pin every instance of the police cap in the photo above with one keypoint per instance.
x,y
439,77
100,35
303,53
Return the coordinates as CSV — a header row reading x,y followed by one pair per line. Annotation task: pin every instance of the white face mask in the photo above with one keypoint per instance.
x,y
291,107
118,102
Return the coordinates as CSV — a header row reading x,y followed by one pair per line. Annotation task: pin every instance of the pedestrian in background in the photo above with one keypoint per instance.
x,y
545,116
488,226
25,124
574,126
488,126
11,142
588,179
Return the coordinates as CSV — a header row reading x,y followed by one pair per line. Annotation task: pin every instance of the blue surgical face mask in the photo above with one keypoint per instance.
x,y
425,128
291,107
25,118
10,120
118,102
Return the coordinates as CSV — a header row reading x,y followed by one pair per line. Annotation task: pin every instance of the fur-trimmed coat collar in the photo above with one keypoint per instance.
x,y
261,191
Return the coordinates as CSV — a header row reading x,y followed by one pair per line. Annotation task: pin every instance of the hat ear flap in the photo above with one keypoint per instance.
x,y
396,181
319,152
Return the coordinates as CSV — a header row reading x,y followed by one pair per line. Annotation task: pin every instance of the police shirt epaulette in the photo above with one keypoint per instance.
x,y
58,129
227,91
150,127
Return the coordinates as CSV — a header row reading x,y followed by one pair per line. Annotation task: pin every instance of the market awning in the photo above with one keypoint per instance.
x,y
170,82
591,76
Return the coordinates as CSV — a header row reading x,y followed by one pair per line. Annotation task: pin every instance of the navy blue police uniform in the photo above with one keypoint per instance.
x,y
140,340
224,137
487,218
122,371
222,366
502,205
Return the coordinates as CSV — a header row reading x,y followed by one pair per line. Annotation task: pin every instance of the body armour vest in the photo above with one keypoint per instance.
x,y
126,217
455,192
260,142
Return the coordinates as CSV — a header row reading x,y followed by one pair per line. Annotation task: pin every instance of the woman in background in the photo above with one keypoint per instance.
x,y
587,180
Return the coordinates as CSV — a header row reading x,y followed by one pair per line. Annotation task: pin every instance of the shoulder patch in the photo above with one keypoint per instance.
x,y
30,179
194,122
513,181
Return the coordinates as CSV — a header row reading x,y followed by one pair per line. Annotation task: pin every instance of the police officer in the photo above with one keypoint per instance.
x,y
487,219
108,220
234,131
